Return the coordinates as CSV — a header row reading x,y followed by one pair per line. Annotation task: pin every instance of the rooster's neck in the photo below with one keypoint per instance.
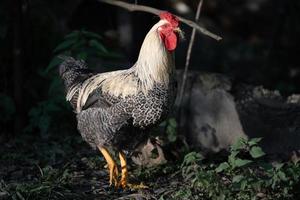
x,y
155,63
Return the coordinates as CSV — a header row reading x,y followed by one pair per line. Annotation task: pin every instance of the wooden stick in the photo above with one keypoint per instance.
x,y
188,55
132,7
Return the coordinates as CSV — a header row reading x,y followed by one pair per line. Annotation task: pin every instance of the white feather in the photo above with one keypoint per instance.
x,y
154,65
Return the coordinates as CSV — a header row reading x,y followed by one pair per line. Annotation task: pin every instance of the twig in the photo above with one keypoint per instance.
x,y
133,7
188,55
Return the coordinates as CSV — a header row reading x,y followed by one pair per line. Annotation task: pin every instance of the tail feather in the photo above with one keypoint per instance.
x,y
73,71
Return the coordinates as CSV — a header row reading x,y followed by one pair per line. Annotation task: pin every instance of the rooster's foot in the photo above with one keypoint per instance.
x,y
113,169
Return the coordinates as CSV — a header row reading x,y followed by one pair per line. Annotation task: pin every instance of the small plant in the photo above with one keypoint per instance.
x,y
242,146
171,129
244,175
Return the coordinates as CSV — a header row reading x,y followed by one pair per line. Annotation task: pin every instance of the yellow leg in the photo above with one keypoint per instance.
x,y
124,178
113,170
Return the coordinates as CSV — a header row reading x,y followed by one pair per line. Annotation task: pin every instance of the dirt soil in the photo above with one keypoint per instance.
x,y
67,168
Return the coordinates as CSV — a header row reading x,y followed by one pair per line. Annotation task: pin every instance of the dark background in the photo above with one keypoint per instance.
x,y
260,46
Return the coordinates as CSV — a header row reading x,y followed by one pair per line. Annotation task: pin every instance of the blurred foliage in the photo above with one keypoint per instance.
x,y
47,114
169,127
81,45
7,108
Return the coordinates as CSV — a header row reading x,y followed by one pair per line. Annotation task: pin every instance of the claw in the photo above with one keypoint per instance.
x,y
123,182
113,169
114,173
137,186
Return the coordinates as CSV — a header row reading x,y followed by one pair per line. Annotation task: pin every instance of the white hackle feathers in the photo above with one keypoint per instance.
x,y
154,65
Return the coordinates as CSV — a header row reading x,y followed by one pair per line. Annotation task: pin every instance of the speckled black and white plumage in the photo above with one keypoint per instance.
x,y
73,73
125,123
116,109
118,122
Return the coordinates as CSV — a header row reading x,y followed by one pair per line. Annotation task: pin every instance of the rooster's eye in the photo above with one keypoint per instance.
x,y
165,26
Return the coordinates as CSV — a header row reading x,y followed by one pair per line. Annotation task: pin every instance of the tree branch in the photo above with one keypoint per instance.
x,y
189,52
133,7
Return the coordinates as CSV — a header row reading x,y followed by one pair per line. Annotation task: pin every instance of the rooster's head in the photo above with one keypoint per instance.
x,y
169,30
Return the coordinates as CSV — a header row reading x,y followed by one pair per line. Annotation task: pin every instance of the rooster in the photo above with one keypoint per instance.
x,y
115,109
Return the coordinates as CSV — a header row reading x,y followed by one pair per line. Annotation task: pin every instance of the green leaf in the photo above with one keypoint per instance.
x,y
285,191
98,46
239,144
161,197
244,183
237,178
42,187
240,162
172,135
163,124
20,195
278,165
256,152
254,141
221,197
80,45
55,88
282,176
53,63
233,154
223,166
64,45
257,184
232,157
92,35
171,130
172,122
266,166
191,158
82,56
73,34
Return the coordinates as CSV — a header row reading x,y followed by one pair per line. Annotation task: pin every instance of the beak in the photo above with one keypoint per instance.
x,y
179,31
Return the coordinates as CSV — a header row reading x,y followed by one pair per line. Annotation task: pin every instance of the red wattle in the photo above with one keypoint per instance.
x,y
170,41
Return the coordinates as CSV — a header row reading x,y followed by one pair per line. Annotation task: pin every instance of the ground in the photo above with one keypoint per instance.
x,y
64,167
53,168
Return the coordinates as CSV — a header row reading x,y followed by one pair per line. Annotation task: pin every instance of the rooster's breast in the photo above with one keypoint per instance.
x,y
154,107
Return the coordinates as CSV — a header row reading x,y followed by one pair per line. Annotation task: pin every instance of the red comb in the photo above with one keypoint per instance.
x,y
170,18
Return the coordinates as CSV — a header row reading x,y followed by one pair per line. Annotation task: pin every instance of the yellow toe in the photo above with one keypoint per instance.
x,y
137,186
